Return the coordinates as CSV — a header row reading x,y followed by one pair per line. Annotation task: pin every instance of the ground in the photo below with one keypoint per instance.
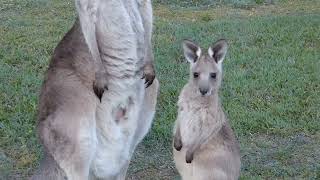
x,y
270,90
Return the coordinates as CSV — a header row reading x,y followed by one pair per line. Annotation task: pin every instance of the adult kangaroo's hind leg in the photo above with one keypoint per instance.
x,y
148,110
67,132
49,170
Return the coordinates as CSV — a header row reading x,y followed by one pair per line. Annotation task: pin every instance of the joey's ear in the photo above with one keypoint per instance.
x,y
218,50
191,50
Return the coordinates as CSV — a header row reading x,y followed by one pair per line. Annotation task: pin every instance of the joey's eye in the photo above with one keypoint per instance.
x,y
195,75
213,75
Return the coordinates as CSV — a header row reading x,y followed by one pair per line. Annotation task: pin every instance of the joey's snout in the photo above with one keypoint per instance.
x,y
203,91
204,86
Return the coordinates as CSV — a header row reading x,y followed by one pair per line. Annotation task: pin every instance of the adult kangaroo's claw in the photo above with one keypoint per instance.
x,y
100,85
148,74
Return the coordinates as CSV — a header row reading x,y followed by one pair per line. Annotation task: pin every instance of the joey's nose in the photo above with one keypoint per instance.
x,y
203,91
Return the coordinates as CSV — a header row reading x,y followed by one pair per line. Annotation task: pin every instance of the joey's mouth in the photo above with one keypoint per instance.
x,y
205,95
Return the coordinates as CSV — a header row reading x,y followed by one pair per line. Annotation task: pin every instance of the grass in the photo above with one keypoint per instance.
x,y
210,3
270,90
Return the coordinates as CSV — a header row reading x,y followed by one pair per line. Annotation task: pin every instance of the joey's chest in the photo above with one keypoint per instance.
x,y
191,109
194,114
188,116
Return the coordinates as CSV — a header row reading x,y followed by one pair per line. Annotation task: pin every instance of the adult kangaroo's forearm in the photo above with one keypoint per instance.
x,y
87,12
146,13
145,8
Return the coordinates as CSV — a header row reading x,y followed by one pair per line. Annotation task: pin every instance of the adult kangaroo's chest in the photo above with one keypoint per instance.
x,y
120,28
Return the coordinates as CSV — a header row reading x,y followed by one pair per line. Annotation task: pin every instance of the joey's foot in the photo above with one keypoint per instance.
x,y
177,143
189,157
148,74
100,84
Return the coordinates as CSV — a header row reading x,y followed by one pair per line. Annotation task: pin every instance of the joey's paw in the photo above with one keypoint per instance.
x,y
177,143
100,85
148,74
189,157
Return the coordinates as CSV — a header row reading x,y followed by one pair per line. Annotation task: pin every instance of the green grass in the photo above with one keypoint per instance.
x,y
270,89
209,3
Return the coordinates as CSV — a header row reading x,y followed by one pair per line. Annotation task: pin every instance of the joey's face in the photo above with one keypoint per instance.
x,y
205,66
205,75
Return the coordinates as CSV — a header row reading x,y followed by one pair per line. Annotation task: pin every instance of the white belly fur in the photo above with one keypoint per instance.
x,y
115,139
122,41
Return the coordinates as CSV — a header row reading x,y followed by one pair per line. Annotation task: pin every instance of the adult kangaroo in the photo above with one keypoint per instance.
x,y
99,95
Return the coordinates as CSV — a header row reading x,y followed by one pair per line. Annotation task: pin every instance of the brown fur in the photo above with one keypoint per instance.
x,y
67,91
94,107
67,106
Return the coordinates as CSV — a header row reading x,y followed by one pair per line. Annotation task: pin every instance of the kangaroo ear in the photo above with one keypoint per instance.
x,y
218,50
191,50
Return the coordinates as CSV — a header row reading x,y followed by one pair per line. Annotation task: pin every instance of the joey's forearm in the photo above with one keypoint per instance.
x,y
190,151
177,141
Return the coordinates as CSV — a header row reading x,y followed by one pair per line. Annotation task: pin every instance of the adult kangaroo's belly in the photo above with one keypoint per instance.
x,y
116,121
121,40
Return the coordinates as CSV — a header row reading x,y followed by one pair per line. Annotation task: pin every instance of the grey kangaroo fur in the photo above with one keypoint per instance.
x,y
94,107
204,144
